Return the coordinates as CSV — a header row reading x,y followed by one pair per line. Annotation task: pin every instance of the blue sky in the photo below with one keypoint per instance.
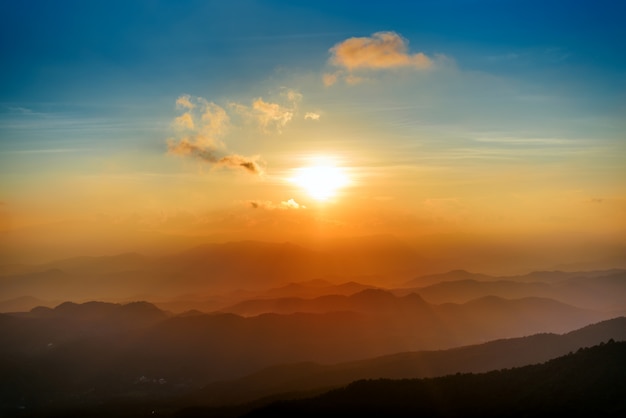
x,y
519,115
69,49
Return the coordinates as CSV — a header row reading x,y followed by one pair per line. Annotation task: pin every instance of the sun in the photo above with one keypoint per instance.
x,y
321,181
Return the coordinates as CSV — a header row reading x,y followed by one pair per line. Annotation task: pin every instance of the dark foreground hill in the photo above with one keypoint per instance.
x,y
591,382
493,355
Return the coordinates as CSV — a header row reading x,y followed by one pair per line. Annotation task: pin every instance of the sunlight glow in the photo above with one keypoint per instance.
x,y
321,182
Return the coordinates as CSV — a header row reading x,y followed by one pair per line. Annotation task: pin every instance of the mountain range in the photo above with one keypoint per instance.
x,y
590,382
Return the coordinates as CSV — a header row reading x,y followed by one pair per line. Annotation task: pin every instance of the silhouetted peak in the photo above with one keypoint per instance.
x,y
71,308
191,312
141,309
41,310
415,299
96,310
615,327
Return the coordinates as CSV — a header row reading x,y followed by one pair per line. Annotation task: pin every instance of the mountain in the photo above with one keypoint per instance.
x,y
320,287
481,319
532,277
125,342
591,382
366,301
453,275
604,291
207,269
494,355
94,352
288,270
22,304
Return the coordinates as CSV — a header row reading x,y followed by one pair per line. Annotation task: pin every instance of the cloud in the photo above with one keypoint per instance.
x,y
184,102
248,164
381,51
215,120
330,78
271,116
293,96
184,121
186,148
292,204
202,125
200,129
268,205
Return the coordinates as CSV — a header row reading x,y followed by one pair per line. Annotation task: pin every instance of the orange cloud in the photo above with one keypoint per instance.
x,y
248,164
184,121
268,205
215,121
184,101
383,50
208,123
271,114
184,147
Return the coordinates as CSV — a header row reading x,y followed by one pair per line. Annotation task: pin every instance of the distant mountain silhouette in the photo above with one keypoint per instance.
x,y
215,270
591,382
318,287
369,300
22,304
453,275
535,276
481,319
596,290
207,269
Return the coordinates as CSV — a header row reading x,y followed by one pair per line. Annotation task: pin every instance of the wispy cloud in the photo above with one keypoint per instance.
x,y
202,127
184,102
271,116
211,156
200,130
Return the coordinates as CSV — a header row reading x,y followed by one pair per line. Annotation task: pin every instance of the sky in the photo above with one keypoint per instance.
x,y
462,127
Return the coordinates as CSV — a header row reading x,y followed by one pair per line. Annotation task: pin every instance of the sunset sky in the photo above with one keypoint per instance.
x,y
156,125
